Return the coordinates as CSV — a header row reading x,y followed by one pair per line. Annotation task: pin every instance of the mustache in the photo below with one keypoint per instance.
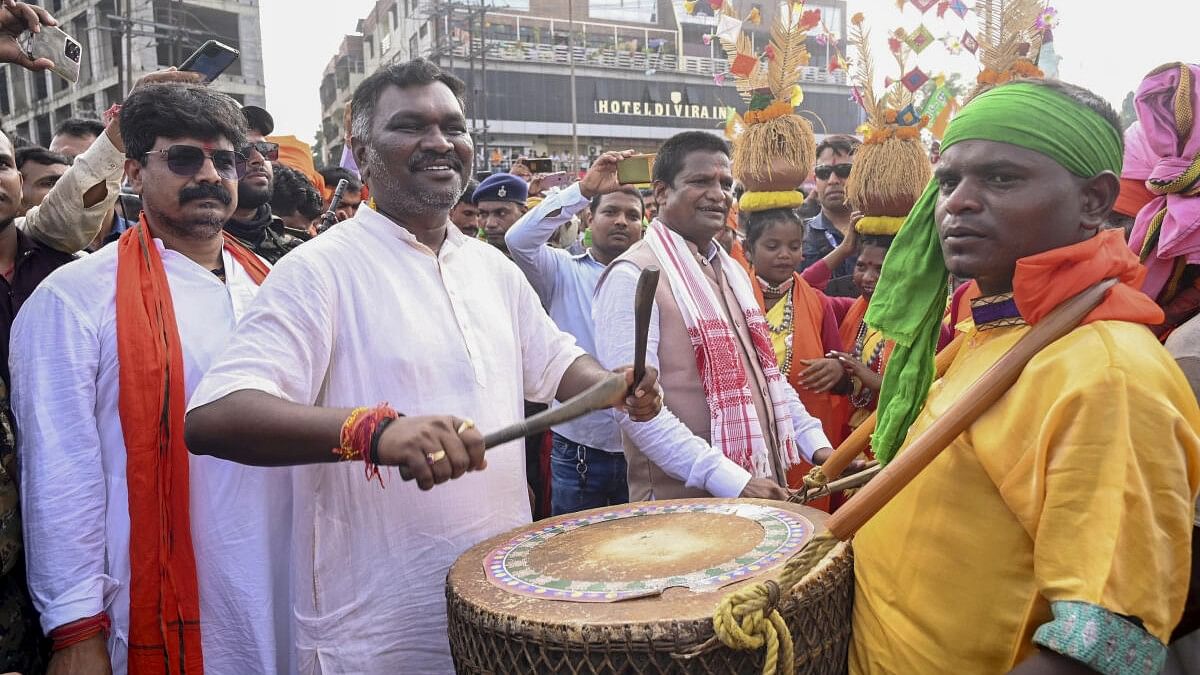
x,y
423,159
205,191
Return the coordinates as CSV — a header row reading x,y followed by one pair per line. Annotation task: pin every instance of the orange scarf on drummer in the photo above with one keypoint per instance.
x,y
164,600
1046,280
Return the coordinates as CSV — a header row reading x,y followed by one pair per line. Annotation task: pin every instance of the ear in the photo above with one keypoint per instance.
x,y
358,148
134,169
1097,196
660,192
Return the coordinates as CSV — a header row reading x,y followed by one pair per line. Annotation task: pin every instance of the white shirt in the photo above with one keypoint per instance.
x,y
74,494
665,439
566,284
363,314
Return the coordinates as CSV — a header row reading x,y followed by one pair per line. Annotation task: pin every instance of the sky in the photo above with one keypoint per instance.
x,y
1105,46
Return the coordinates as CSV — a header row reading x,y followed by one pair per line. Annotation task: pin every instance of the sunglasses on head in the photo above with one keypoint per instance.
x,y
268,150
187,160
824,171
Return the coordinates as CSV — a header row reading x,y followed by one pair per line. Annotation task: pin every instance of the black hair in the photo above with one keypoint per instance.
x,y
624,189
333,174
883,241
758,222
468,193
841,144
36,153
79,126
417,72
674,151
293,192
1085,98
156,111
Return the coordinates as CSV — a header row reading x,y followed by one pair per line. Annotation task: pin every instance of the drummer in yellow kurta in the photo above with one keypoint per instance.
x,y
1053,536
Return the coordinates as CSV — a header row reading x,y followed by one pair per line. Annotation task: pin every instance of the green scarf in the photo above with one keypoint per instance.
x,y
910,300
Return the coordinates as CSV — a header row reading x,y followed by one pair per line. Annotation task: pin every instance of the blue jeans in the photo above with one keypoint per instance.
x,y
585,478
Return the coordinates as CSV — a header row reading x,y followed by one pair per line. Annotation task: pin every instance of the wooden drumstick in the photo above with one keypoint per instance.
x,y
859,440
643,304
974,402
595,397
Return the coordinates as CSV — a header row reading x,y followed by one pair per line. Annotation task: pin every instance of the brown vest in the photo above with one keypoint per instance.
x,y
683,392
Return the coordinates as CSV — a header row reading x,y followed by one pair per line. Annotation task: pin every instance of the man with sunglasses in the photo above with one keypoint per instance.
x,y
168,558
822,234
253,223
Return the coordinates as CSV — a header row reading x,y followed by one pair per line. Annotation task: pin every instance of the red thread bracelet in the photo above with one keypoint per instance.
x,y
75,632
357,433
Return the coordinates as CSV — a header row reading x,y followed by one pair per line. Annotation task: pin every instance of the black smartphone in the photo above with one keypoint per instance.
x,y
211,59
540,165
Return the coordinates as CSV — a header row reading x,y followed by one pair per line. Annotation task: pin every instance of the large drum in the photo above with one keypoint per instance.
x,y
632,589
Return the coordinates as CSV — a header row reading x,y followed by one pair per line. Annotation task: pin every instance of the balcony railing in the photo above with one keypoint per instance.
x,y
506,50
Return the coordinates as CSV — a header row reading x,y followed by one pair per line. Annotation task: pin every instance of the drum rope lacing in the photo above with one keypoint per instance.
x,y
750,618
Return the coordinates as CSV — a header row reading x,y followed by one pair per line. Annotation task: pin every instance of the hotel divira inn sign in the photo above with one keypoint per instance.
x,y
675,108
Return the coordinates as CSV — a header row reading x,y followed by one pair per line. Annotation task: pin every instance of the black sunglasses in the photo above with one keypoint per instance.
x,y
187,160
824,171
269,150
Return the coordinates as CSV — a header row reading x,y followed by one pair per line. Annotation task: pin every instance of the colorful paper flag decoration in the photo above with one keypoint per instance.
x,y
959,7
755,15
689,6
728,28
908,116
914,79
969,42
716,4
743,65
919,39
923,5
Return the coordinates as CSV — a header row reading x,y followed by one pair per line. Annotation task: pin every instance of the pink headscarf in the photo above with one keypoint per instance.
x,y
1171,136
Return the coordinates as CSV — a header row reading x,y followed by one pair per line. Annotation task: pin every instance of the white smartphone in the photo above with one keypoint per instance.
x,y
52,43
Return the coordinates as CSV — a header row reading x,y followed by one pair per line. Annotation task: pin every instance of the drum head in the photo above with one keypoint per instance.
x,y
639,550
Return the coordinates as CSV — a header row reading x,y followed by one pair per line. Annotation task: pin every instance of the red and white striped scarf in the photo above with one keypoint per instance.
x,y
735,430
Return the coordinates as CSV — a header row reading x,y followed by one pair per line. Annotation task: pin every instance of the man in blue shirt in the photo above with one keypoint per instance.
x,y
822,234
587,460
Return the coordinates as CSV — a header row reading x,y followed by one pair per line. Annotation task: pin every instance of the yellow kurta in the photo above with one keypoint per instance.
x,y
1078,485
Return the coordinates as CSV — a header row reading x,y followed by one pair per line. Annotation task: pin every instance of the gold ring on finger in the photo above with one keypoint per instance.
x,y
466,424
435,457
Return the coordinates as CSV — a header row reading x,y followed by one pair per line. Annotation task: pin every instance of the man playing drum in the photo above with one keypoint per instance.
x,y
394,304
1052,536
732,425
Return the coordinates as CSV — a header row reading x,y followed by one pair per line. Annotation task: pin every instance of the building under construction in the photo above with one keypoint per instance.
x,y
123,40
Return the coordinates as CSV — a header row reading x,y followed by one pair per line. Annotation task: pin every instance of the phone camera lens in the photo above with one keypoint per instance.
x,y
73,51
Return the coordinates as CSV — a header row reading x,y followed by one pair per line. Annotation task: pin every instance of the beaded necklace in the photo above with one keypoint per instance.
x,y
785,326
863,397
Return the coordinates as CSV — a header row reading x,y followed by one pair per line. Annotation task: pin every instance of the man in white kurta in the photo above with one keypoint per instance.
x,y
366,313
65,394
75,501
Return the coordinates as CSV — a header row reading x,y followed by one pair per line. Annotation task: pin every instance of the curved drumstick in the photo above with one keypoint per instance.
x,y
643,303
595,397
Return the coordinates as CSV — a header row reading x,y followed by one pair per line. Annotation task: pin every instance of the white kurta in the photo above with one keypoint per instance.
x,y
72,455
364,314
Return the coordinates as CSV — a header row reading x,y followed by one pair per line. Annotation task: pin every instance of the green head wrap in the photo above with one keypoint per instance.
x,y
910,300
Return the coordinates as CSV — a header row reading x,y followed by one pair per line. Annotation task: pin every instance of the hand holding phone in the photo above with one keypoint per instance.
x,y
210,60
17,18
555,180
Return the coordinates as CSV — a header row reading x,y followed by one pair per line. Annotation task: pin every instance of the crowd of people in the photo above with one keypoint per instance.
x,y
214,377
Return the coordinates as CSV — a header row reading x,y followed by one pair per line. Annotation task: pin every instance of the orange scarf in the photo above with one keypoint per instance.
x,y
1046,280
849,328
164,601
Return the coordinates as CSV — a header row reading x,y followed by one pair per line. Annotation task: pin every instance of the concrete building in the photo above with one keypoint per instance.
x,y
123,40
641,72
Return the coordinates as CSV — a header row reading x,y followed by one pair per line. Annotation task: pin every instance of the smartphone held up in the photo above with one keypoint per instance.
x,y
52,43
210,60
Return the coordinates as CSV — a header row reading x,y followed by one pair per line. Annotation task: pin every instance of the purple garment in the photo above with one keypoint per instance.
x,y
1172,154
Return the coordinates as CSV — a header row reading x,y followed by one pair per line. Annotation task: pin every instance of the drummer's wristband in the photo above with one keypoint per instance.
x,y
360,437
73,633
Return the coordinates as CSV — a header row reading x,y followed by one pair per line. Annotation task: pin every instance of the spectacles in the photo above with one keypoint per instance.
x,y
187,160
824,171
269,150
